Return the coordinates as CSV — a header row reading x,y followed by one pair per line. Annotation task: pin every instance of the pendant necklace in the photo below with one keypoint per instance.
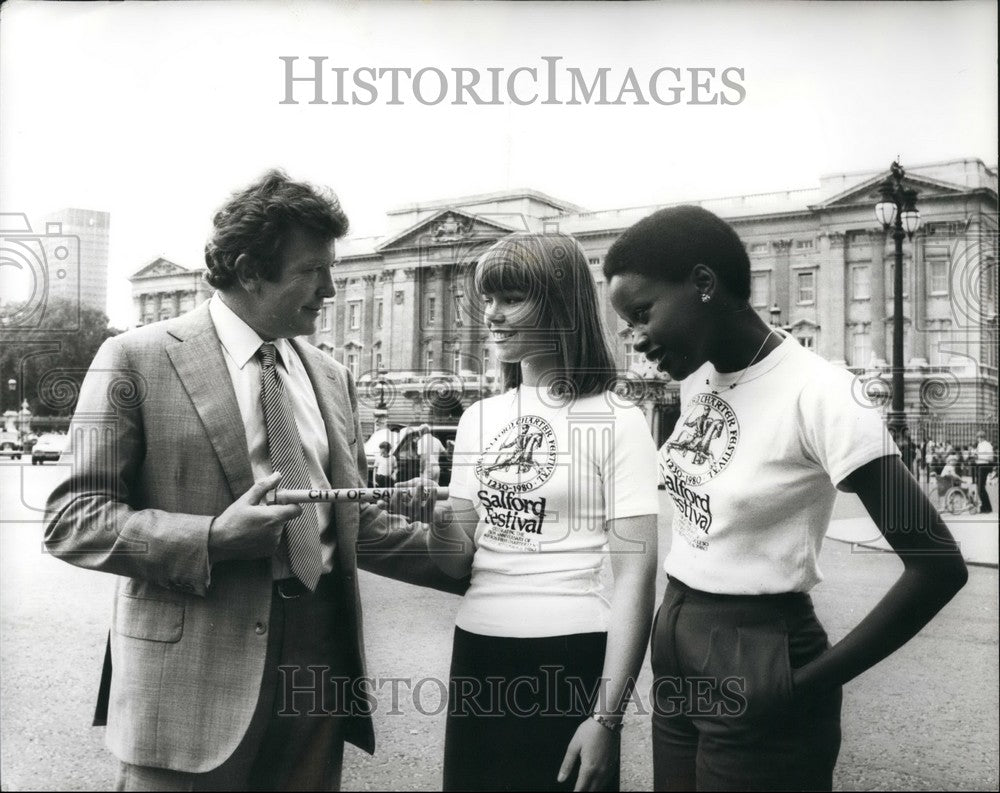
x,y
743,373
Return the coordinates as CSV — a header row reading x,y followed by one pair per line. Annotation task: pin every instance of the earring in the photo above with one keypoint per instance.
x,y
705,298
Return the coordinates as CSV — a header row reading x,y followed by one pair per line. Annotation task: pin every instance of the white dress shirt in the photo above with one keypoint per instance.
x,y
240,343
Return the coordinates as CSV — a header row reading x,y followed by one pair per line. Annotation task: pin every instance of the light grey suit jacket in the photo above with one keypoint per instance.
x,y
158,449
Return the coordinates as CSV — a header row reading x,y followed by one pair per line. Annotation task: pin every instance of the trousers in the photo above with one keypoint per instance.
x,y
295,740
725,713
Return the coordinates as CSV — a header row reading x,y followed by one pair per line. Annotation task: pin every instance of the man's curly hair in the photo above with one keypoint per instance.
x,y
258,220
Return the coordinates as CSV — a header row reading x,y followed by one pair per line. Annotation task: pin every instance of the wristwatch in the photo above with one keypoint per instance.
x,y
608,724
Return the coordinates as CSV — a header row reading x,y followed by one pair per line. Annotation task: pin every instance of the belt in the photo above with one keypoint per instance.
x,y
292,588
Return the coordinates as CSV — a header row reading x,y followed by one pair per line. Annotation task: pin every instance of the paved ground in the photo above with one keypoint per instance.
x,y
924,719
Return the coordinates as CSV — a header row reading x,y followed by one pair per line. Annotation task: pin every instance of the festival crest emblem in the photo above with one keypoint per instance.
x,y
521,457
704,442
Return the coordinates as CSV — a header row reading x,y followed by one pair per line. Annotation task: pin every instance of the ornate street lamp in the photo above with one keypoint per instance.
x,y
380,388
775,313
897,210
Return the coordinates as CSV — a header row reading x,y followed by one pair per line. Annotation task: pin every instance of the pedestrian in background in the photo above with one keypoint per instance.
x,y
984,464
385,466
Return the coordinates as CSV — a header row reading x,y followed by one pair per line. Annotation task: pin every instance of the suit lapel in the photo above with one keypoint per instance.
x,y
198,359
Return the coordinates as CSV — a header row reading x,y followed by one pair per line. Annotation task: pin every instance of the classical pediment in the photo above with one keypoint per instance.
x,y
447,227
158,268
867,192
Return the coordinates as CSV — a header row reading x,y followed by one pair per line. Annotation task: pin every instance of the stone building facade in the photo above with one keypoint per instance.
x,y
405,322
163,290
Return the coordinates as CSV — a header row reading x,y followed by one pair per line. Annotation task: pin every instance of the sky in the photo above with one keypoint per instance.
x,y
155,112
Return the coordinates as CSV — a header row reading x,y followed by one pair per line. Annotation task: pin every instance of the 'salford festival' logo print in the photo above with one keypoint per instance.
x,y
520,458
699,449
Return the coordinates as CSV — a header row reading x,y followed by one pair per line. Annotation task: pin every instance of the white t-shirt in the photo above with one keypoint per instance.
x,y
752,470
545,478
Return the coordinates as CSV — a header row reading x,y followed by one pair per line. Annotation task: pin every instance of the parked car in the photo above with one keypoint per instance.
x,y
48,447
443,432
10,444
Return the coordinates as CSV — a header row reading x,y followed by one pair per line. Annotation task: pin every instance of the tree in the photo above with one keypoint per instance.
x,y
49,362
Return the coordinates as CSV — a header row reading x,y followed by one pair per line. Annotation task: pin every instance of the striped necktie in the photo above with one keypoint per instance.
x,y
301,535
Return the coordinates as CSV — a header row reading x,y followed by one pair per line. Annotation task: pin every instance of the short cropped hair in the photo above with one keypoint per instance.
x,y
670,242
552,270
259,219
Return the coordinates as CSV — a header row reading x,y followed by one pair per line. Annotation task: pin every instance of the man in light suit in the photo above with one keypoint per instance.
x,y
231,668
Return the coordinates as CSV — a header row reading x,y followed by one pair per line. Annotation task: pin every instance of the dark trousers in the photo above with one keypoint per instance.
x,y
983,471
514,705
295,740
725,716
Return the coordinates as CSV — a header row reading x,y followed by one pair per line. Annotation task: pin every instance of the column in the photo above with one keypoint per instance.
x,y
832,308
339,319
137,301
368,323
918,301
176,296
389,362
877,302
406,337
783,278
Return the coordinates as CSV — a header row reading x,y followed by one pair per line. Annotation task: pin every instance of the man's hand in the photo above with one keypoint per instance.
x,y
413,499
249,529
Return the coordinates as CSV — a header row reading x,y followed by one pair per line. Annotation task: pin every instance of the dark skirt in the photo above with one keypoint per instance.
x,y
514,705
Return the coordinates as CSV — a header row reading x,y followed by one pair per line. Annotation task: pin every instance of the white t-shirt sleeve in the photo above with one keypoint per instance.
x,y
468,443
840,430
629,469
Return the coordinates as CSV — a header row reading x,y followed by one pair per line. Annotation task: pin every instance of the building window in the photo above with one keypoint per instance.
x,y
629,356
429,361
806,288
378,313
596,260
354,315
760,289
803,245
352,364
937,276
326,318
431,310
807,340
377,362
758,247
861,282
486,360
861,350
164,315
